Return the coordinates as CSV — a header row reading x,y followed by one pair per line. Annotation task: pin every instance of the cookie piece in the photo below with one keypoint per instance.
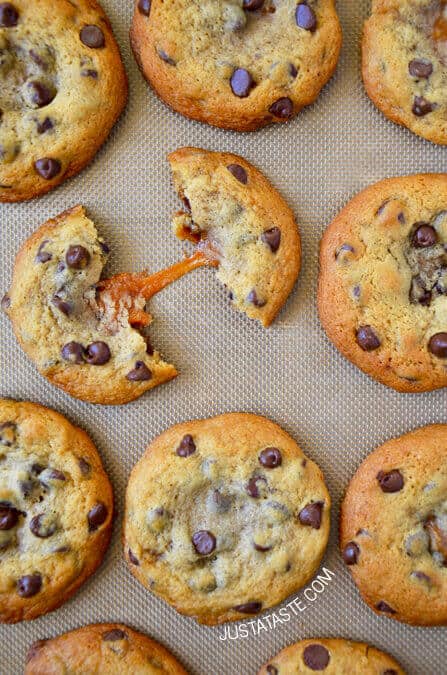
x,y
230,204
383,282
225,517
55,510
88,349
404,64
393,530
110,648
236,64
331,656
63,88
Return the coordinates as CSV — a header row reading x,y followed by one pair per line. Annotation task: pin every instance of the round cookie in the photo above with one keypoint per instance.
x,y
54,311
383,282
225,517
109,648
236,64
231,204
63,88
55,510
393,530
404,64
331,656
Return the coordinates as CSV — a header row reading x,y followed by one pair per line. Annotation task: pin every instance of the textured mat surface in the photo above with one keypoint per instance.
x,y
290,373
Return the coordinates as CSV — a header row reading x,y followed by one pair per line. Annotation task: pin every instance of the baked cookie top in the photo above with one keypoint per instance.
x,y
225,517
236,64
63,86
393,531
89,350
383,282
234,208
55,510
110,648
331,656
404,54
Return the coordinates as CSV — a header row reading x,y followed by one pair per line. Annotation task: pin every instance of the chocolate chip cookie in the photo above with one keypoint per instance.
x,y
225,517
55,510
383,282
237,64
405,64
82,333
231,209
393,530
101,648
332,656
63,86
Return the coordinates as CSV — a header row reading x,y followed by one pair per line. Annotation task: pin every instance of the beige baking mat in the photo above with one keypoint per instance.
x,y
290,373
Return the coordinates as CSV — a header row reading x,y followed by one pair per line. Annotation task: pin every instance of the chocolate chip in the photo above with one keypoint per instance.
x,y
390,481
420,68
282,108
424,236
7,434
316,657
311,515
9,516
29,585
43,256
92,36
89,72
241,82
140,373
255,300
421,576
384,607
252,5
149,347
262,549
272,670
437,345
204,542
351,553
419,294
34,649
97,516
305,17
344,248
39,529
113,635
37,469
270,458
40,94
105,248
367,339
133,559
144,7
389,671
55,474
272,238
62,305
84,466
73,352
238,172
97,354
222,502
252,486
187,446
421,106
293,70
9,16
44,125
47,167
249,608
77,257
166,58
6,302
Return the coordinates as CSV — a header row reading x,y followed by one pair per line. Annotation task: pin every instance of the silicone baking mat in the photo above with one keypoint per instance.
x,y
290,372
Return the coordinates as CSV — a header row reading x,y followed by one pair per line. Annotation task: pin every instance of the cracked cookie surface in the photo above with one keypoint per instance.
x,y
393,531
237,64
91,352
63,88
383,282
404,56
55,510
225,517
230,204
102,648
331,656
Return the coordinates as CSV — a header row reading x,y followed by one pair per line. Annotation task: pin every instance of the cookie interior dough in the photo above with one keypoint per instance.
x,y
63,87
237,64
55,510
405,64
225,517
383,282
